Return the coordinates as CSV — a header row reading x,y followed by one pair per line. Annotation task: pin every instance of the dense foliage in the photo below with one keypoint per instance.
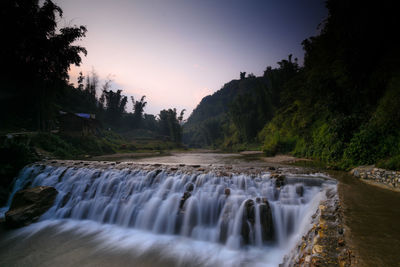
x,y
341,107
35,83
36,59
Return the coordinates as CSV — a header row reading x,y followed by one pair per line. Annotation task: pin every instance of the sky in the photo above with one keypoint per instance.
x,y
175,52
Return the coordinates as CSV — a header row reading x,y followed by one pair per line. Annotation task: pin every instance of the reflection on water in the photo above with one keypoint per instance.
x,y
204,159
373,215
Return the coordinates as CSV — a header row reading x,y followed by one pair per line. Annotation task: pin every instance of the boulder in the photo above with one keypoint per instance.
x,y
189,187
29,204
279,179
249,220
300,190
267,230
227,191
185,196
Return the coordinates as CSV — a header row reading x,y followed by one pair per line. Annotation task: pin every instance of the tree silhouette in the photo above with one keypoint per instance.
x,y
138,110
170,125
114,103
36,58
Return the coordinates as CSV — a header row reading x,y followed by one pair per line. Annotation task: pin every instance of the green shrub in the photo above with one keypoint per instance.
x,y
55,144
392,163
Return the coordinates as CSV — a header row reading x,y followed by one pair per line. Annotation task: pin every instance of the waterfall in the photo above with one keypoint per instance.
x,y
238,212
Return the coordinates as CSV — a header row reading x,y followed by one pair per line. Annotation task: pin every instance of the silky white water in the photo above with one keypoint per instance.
x,y
139,211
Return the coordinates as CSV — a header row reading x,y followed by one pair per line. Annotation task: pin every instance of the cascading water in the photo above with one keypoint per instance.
x,y
248,215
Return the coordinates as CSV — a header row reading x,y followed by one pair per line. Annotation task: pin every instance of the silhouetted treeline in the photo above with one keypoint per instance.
x,y
36,56
342,106
110,107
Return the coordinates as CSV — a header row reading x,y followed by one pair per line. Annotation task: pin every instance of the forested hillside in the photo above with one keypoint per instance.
x,y
341,106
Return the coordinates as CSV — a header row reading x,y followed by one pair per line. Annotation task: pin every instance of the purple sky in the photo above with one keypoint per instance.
x,y
178,51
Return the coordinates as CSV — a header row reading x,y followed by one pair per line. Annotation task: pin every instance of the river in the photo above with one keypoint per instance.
x,y
102,223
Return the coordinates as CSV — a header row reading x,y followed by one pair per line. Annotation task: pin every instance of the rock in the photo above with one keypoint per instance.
x,y
279,179
29,204
189,187
248,220
185,196
267,230
317,249
300,190
3,195
227,191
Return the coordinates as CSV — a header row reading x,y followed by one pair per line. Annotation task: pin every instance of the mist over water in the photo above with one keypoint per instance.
x,y
186,218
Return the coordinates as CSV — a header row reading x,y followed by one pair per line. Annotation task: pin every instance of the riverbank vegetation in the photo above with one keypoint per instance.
x,y
341,106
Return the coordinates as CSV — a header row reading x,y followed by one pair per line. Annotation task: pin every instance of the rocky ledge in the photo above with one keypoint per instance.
x,y
385,178
324,244
29,204
279,172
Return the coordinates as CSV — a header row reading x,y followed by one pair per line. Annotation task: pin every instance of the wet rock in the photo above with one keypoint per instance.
x,y
195,166
224,223
300,190
279,179
173,169
185,196
267,230
29,204
248,220
189,187
227,191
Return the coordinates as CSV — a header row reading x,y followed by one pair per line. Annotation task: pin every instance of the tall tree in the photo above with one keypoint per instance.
x,y
36,58
169,124
138,110
115,104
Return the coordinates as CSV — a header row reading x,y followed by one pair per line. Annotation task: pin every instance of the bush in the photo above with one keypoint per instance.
x,y
56,145
392,163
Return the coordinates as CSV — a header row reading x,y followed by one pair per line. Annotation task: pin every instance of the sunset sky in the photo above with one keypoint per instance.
x,y
178,51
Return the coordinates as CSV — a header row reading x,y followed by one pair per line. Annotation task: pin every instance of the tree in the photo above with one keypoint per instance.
x,y
37,57
180,118
169,124
114,103
81,78
138,110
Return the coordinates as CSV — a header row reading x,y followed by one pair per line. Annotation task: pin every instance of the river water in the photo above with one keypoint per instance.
x,y
373,216
132,216
135,217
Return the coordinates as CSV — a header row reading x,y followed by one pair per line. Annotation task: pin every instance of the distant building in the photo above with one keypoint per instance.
x,y
79,123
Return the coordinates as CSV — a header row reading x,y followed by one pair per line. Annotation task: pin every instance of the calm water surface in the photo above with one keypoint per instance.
x,y
373,216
